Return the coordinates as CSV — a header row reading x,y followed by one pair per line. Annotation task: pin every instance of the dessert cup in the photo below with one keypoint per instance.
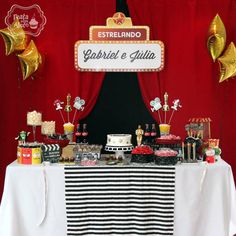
x,y
69,130
164,129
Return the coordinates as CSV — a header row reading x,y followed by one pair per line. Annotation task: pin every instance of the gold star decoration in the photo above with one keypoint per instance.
x,y
216,37
30,60
228,63
14,37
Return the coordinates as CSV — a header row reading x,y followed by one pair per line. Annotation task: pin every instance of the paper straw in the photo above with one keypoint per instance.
x,y
68,117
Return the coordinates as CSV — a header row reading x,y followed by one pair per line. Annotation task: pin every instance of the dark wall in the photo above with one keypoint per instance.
x,y
119,108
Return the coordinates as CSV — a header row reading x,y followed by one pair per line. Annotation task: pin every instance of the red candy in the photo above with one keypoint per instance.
x,y
142,150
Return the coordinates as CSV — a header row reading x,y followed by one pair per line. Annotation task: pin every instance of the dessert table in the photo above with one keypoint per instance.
x,y
33,202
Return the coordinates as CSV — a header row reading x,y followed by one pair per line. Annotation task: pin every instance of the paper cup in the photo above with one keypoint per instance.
x,y
164,129
69,130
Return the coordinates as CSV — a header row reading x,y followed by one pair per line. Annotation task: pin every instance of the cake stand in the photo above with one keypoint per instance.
x,y
119,150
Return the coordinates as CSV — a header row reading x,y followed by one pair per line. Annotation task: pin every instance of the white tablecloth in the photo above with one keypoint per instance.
x,y
205,201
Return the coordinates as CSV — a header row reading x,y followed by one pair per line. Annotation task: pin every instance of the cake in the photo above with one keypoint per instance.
x,y
119,140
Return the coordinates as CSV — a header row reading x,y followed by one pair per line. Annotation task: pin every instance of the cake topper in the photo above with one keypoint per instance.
x,y
165,107
156,106
78,105
176,105
58,104
68,108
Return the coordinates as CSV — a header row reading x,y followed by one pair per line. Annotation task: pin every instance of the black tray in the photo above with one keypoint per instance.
x,y
142,158
162,161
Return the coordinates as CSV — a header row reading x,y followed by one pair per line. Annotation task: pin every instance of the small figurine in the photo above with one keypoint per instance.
x,y
166,106
139,133
22,137
68,106
210,155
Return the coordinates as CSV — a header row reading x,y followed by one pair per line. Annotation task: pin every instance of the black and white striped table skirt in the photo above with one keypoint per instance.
x,y
120,200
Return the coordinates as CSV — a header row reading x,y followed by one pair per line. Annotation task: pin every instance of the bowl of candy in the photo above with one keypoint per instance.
x,y
60,139
165,156
142,154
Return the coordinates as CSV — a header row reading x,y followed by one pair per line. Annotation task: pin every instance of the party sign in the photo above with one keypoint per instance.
x,y
119,46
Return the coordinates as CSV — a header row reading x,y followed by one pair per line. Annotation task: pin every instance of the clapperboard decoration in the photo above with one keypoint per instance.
x,y
51,152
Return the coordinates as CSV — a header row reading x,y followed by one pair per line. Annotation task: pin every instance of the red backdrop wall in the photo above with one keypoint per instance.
x,y
67,22
189,72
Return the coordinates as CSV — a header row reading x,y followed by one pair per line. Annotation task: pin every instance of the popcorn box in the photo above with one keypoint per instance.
x,y
29,155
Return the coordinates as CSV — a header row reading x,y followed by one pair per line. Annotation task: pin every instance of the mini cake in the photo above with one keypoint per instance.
x,y
142,154
166,157
119,140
